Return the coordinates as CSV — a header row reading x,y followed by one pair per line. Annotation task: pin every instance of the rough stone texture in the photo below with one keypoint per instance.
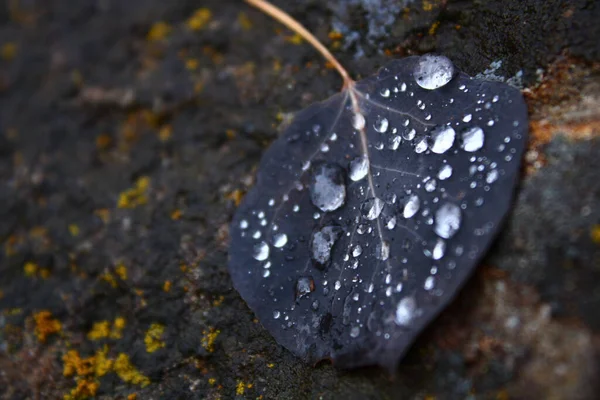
x,y
124,148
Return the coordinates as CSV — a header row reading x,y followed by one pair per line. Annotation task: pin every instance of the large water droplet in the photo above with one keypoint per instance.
x,y
322,242
381,124
447,220
412,206
261,251
406,311
432,72
279,240
472,139
371,208
327,188
442,139
357,251
359,168
304,286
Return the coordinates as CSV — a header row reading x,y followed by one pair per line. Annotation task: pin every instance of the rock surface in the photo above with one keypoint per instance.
x,y
129,131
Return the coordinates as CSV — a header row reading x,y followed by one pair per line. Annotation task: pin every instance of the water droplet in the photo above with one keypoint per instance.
x,y
445,172
429,283
256,235
492,176
406,311
261,251
412,206
385,92
327,188
355,331
421,146
467,118
394,142
358,121
442,139
357,251
371,208
430,185
381,124
304,286
243,224
322,242
337,285
409,135
279,240
447,220
359,168
433,72
438,250
276,314
391,223
472,139
382,252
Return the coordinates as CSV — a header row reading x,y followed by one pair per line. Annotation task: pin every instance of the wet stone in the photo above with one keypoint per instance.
x,y
360,247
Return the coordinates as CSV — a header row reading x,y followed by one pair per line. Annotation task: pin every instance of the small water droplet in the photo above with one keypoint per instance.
x,y
357,251
445,172
433,71
382,252
472,139
412,206
406,311
359,168
442,139
421,146
492,176
355,331
467,118
430,185
381,124
358,121
276,314
322,242
337,285
447,220
409,135
279,240
327,188
371,208
394,142
439,249
391,223
261,251
243,224
429,283
304,286
385,92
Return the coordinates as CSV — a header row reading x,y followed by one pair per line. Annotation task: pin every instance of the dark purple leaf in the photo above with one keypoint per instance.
x,y
374,207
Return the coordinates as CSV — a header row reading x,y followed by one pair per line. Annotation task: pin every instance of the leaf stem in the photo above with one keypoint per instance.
x,y
281,16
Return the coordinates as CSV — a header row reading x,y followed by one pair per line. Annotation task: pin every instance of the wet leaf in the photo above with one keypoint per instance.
x,y
374,207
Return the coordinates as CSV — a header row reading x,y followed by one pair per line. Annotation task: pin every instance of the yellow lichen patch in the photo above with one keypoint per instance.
x,y
167,286
270,365
191,64
103,141
74,230
109,278
240,388
127,371
30,269
165,133
85,371
212,381
121,271
85,389
236,196
135,196
295,39
218,301
73,364
230,133
159,31
244,22
117,329
428,5
102,365
208,339
45,325
176,214
103,214
433,28
100,330
595,233
154,338
8,51
199,19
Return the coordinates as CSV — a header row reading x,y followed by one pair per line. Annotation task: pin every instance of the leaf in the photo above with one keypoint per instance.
x,y
374,207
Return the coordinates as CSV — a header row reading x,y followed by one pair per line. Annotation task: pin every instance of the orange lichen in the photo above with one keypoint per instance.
x,y
109,278
103,141
433,28
132,396
295,39
135,196
127,371
236,196
427,5
154,338
165,133
159,31
199,19
167,286
208,339
121,271
85,389
45,325
103,214
86,371
176,214
100,330
218,301
192,64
